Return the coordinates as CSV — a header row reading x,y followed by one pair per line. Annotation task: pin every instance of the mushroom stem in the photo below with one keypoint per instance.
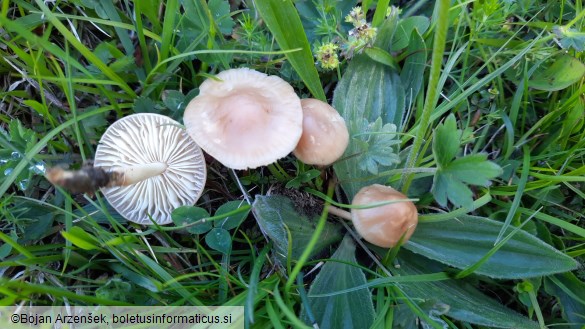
x,y
124,176
340,212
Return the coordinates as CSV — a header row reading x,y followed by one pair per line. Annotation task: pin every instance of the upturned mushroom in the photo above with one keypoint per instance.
x,y
382,225
162,167
325,136
244,118
146,166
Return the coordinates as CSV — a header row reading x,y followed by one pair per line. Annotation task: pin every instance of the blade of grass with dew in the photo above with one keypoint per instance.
x,y
284,22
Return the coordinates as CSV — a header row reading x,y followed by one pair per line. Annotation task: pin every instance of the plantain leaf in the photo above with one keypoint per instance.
x,y
284,22
348,310
369,96
464,241
455,298
564,71
277,217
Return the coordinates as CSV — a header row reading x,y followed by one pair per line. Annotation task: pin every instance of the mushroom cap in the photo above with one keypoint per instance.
x,y
246,120
383,225
145,139
325,136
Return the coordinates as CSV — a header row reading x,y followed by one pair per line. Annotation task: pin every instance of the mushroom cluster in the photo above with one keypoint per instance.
x,y
247,119
146,165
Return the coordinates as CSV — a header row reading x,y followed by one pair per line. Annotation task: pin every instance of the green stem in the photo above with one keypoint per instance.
x,y
432,92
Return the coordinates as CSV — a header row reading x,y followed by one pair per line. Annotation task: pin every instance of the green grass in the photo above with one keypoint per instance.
x,y
452,103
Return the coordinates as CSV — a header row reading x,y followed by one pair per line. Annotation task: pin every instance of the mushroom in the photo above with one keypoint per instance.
x,y
325,136
158,165
247,119
382,225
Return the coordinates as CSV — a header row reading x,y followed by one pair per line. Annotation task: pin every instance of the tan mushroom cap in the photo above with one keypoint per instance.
x,y
157,153
383,225
246,120
325,136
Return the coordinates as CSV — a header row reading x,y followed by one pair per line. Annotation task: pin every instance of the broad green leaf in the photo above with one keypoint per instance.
x,y
187,215
464,241
348,310
412,74
372,148
450,181
277,217
232,221
570,291
446,141
81,239
219,239
370,90
381,56
474,169
461,300
405,29
564,71
283,20
447,187
369,96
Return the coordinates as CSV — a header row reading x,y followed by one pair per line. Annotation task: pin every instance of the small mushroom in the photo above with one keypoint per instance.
x,y
325,136
158,165
247,119
386,224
